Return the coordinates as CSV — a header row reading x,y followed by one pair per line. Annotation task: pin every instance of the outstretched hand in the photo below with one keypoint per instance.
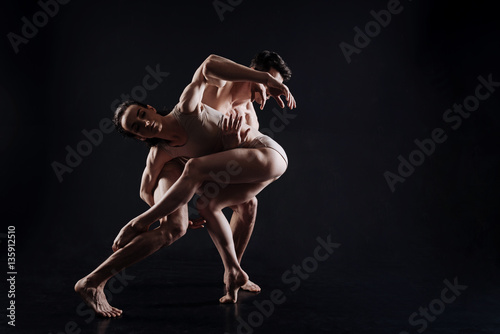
x,y
276,89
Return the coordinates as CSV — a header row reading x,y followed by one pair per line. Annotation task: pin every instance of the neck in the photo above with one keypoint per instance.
x,y
171,130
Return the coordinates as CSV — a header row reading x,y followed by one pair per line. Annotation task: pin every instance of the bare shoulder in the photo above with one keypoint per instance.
x,y
157,155
188,108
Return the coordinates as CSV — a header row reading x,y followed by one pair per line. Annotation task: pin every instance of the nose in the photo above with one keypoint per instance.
x,y
147,123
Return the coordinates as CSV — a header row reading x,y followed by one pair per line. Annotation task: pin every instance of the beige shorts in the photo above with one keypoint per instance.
x,y
266,141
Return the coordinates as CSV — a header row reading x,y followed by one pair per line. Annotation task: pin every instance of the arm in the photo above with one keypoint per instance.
x,y
157,158
216,70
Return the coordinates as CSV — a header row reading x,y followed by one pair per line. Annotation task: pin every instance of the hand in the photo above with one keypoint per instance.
x,y
197,223
231,132
126,234
259,94
276,89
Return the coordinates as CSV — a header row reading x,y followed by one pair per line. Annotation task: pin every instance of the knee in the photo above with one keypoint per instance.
x,y
173,227
171,233
193,169
248,209
177,231
205,205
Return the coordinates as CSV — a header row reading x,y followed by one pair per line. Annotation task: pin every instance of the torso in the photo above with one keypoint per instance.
x,y
200,134
233,96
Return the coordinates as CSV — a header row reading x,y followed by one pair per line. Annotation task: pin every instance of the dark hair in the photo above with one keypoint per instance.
x,y
117,120
263,61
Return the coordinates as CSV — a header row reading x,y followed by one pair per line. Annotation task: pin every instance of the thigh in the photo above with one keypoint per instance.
x,y
230,195
167,177
241,165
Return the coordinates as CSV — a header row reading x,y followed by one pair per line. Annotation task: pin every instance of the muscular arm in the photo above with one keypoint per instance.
x,y
216,70
157,158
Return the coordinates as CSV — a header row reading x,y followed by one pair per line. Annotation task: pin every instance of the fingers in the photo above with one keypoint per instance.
x,y
292,103
197,223
280,102
224,124
262,90
238,123
263,94
245,135
289,98
232,124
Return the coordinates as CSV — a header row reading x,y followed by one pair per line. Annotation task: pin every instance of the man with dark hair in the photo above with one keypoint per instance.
x,y
232,99
265,60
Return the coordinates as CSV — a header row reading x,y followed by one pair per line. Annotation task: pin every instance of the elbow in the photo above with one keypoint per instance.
x,y
211,69
209,64
212,58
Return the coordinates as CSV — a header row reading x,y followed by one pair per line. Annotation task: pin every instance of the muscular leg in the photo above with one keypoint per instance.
x,y
247,167
242,224
171,228
242,166
211,210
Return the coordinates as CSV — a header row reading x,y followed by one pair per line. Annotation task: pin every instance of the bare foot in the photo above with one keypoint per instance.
x,y
94,297
250,286
234,281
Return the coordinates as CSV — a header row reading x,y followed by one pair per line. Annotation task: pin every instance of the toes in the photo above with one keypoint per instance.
x,y
102,314
116,311
227,300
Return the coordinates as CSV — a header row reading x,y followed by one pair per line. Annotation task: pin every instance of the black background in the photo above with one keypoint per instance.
x,y
352,122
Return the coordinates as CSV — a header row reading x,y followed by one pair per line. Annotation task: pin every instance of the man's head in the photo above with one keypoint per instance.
x,y
271,62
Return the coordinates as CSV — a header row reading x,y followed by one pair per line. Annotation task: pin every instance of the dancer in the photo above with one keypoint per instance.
x,y
250,169
236,99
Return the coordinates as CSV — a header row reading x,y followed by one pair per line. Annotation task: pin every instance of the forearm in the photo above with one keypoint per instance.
x,y
222,69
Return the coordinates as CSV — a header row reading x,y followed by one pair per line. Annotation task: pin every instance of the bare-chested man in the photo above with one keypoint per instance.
x,y
233,97
236,99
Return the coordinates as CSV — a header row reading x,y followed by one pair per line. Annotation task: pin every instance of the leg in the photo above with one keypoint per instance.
x,y
91,287
242,224
234,166
220,231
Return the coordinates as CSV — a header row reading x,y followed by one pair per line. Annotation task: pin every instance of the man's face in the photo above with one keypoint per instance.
x,y
276,74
